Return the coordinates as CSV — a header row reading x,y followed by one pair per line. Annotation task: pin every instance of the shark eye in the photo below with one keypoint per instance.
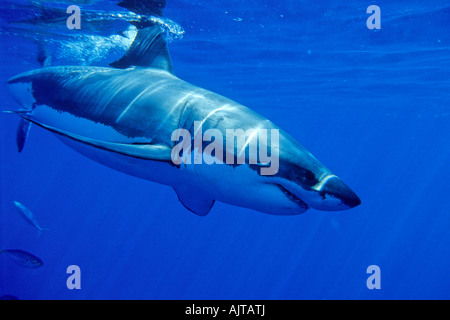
x,y
304,176
309,176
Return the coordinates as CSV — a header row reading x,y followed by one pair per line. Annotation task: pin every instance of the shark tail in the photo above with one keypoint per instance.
x,y
23,129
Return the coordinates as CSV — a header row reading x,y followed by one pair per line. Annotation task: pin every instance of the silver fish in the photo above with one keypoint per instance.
x,y
28,215
23,258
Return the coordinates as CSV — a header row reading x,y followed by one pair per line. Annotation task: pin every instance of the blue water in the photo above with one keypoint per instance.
x,y
372,105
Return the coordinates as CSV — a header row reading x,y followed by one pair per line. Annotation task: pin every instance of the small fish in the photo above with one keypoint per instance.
x,y
28,215
23,258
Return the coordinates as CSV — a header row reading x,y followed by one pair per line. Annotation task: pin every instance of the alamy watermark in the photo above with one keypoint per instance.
x,y
374,280
74,280
250,146
74,21
374,21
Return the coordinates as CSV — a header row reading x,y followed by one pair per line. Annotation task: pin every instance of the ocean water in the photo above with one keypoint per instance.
x,y
372,105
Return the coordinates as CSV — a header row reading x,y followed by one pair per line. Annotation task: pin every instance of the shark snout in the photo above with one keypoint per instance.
x,y
336,194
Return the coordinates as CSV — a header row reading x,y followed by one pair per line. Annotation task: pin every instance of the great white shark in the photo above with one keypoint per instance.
x,y
124,116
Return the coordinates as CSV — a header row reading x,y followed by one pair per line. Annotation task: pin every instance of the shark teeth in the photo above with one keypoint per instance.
x,y
293,198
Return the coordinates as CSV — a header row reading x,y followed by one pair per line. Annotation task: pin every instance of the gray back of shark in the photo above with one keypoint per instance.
x,y
124,117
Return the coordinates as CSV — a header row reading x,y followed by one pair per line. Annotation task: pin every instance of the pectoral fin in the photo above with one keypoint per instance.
x,y
194,201
145,151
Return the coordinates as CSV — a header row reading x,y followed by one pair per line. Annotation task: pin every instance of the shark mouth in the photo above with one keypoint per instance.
x,y
293,198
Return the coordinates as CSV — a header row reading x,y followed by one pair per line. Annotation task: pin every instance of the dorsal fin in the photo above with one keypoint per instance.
x,y
149,49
